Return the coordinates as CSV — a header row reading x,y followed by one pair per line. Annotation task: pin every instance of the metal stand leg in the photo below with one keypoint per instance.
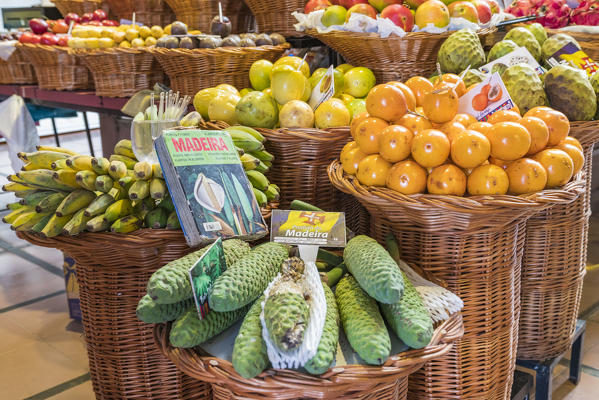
x,y
576,359
89,135
55,132
543,384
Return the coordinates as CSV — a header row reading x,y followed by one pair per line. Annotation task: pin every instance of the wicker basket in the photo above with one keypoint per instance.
x,y
198,14
78,7
475,245
120,72
275,16
589,42
391,58
17,70
148,12
57,68
344,382
192,70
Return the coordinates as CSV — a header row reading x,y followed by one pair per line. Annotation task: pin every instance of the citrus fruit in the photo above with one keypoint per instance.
x,y
454,81
358,81
441,105
419,86
395,143
414,122
487,180
350,160
355,121
373,170
452,129
368,133
331,113
386,102
558,164
504,116
500,163
526,176
482,127
408,94
349,146
430,148
407,177
539,133
572,141
509,141
470,149
447,179
557,122
464,119
575,154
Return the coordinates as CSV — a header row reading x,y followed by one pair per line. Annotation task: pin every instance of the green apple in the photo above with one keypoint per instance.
x,y
260,74
358,81
287,84
334,15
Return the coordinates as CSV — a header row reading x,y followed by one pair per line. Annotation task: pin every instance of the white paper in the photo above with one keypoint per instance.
x,y
7,47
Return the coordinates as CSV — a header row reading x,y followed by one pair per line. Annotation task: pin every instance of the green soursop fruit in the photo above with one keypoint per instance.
x,y
500,49
473,76
556,42
245,280
327,348
570,92
595,84
460,50
170,284
249,352
190,331
362,322
524,38
151,312
409,319
286,312
524,86
499,68
539,31
375,270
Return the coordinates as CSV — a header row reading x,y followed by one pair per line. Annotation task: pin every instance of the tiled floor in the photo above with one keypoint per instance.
x,y
42,350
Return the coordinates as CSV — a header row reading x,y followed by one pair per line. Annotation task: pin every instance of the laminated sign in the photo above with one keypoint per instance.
x,y
203,274
574,57
486,98
519,56
308,228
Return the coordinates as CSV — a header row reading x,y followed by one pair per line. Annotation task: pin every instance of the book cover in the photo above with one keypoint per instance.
x,y
203,274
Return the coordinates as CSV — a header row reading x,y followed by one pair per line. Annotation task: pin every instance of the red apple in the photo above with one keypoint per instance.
x,y
483,9
463,9
49,39
361,9
350,3
414,4
94,23
71,17
400,15
29,37
494,6
99,15
315,5
86,17
110,22
60,26
63,40
379,5
38,26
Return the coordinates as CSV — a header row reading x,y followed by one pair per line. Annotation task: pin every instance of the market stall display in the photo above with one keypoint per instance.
x,y
16,69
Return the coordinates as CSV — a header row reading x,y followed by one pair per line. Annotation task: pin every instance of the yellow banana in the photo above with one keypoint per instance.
x,y
66,177
129,162
43,178
55,225
57,149
124,148
257,135
249,162
126,224
27,221
50,203
86,179
13,215
139,190
117,170
257,179
157,188
76,224
104,183
118,210
157,171
61,164
75,201
100,165
143,170
17,187
97,224
29,167
80,163
43,159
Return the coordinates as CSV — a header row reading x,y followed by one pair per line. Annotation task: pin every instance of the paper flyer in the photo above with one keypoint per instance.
x,y
486,98
519,56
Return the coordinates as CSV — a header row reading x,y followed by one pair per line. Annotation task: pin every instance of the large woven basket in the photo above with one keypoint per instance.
x,y
343,382
192,70
120,72
474,245
78,7
17,70
553,266
197,14
275,16
57,68
589,42
391,58
148,12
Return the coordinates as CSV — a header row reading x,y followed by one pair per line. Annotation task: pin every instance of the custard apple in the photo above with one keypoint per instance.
x,y
524,38
499,68
595,85
570,92
473,76
556,42
460,50
539,31
500,49
524,86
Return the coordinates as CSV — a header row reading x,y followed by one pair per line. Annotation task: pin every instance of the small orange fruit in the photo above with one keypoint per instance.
x,y
414,122
387,102
558,164
539,133
348,147
350,160
373,170
482,127
395,143
504,116
368,133
480,102
452,129
454,81
465,119
526,176
408,94
470,149
447,179
407,177
488,179
557,122
419,86
538,109
430,148
575,154
355,121
509,141
441,106
572,141
516,110
500,163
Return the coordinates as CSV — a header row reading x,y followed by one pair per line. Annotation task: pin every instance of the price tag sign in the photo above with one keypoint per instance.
x,y
324,89
203,274
486,98
316,228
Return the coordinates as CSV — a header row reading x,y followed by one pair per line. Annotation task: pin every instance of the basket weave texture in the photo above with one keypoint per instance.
x,y
148,12
275,16
120,72
57,68
78,7
391,58
17,69
343,382
589,42
198,14
192,70
474,245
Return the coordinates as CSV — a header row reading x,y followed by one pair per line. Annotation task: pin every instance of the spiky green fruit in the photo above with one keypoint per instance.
x,y
556,42
524,86
500,49
151,312
249,352
460,50
524,38
538,31
570,92
327,348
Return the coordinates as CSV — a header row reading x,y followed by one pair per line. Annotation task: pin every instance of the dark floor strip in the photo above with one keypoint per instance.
x,y
28,302
589,311
587,369
23,254
53,391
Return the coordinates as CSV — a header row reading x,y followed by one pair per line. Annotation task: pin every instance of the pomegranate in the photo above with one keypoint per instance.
x,y
587,13
557,13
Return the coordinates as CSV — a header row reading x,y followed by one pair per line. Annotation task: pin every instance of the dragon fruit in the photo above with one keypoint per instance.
x,y
557,13
587,13
521,8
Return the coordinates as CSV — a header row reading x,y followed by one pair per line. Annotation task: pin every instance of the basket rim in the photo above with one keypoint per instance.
x,y
39,46
586,132
375,36
295,383
111,50
217,51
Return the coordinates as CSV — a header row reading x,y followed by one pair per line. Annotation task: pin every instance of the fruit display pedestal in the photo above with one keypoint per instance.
x,y
17,70
275,16
475,246
388,381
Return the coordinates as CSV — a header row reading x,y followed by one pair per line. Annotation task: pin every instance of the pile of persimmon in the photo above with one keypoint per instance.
x,y
411,139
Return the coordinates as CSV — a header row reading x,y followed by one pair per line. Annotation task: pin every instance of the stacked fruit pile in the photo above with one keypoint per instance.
x,y
376,289
557,13
279,95
412,140
94,37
